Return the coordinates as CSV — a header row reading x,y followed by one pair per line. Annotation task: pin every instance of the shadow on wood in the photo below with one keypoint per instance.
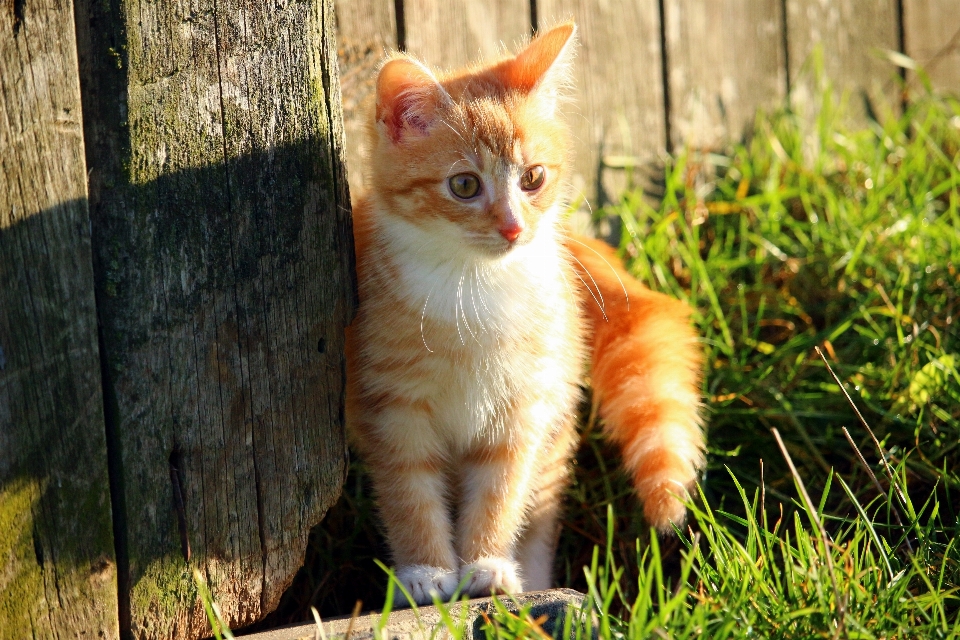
x,y
56,538
222,314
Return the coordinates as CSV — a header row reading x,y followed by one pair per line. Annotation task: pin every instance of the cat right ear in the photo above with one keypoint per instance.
x,y
544,67
407,98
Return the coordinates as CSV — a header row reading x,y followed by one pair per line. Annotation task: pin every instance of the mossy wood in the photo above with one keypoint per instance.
x,y
223,265
57,569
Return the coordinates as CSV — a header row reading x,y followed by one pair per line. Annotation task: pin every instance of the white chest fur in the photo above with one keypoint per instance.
x,y
488,328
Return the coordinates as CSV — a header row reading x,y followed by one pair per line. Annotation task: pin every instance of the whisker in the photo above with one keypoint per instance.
x,y
456,313
603,306
456,162
422,314
481,288
602,312
457,133
581,194
600,255
461,309
473,302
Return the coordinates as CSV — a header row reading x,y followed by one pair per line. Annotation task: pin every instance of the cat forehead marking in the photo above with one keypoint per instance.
x,y
492,126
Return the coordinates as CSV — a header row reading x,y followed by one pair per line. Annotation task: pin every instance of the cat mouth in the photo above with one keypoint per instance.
x,y
503,247
495,245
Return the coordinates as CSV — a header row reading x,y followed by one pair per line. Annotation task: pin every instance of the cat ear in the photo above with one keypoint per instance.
x,y
545,65
407,97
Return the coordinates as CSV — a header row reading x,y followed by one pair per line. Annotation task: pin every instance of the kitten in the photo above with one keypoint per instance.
x,y
477,314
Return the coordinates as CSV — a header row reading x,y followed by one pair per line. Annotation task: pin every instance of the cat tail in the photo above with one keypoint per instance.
x,y
646,364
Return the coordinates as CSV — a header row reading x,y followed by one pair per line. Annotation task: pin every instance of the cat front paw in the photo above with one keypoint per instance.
x,y
488,575
423,582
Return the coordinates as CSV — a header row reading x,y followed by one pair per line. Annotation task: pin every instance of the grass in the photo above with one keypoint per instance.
x,y
811,234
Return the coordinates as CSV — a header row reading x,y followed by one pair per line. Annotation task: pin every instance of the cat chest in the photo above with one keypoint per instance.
x,y
476,393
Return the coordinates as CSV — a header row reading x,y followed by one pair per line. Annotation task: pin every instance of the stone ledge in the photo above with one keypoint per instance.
x,y
404,624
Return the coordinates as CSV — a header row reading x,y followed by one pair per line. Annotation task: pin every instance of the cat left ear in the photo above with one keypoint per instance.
x,y
407,98
545,65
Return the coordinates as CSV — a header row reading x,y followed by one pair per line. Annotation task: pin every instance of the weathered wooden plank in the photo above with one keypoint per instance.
x,y
57,568
717,82
223,263
851,35
932,38
366,32
619,105
454,33
428,622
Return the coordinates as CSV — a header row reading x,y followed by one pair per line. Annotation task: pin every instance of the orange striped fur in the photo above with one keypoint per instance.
x,y
465,360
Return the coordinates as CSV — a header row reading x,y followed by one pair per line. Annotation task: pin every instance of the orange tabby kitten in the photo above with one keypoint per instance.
x,y
477,314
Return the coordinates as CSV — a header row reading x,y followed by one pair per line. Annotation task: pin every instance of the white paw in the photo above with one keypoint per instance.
x,y
422,582
487,575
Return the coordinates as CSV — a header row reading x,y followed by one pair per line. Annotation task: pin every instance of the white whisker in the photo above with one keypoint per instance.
x,y
473,302
600,255
602,312
461,309
457,133
603,306
422,315
456,162
481,289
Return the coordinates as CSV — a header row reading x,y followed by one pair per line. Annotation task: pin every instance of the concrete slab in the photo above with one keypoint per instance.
x,y
426,623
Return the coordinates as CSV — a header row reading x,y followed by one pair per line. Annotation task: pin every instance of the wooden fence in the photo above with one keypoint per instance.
x,y
175,276
653,75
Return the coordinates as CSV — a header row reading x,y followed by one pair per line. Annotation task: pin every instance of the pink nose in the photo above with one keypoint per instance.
x,y
511,232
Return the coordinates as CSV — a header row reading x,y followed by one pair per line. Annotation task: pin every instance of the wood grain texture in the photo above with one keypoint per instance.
x,y
932,38
717,82
57,568
223,262
454,33
850,36
618,107
366,32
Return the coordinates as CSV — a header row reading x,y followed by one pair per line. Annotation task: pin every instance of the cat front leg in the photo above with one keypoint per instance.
x,y
411,488
412,501
497,479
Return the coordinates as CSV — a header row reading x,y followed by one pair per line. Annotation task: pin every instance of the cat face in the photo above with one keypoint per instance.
x,y
474,162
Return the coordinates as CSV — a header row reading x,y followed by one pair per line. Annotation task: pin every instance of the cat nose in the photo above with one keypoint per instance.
x,y
511,231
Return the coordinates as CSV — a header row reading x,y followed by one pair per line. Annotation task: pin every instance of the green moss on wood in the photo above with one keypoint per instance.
x,y
166,586
21,583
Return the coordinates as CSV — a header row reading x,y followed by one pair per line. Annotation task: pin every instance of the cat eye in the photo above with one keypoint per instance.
x,y
533,178
464,185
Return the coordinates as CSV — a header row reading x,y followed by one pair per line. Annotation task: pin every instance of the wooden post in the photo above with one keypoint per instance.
x,y
57,568
224,278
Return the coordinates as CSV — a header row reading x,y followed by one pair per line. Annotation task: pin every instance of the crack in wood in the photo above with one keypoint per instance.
x,y
176,482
